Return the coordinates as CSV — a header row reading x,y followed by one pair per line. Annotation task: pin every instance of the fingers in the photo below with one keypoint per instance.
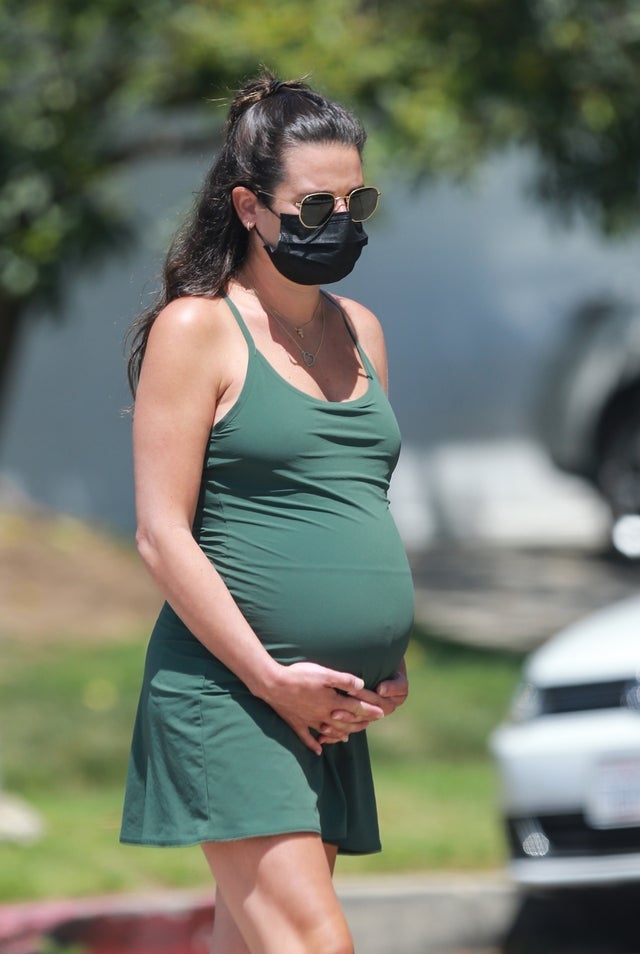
x,y
364,714
345,722
391,703
395,685
342,725
370,705
344,681
309,740
332,739
365,695
393,692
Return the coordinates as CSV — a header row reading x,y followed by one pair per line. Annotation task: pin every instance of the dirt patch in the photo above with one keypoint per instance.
x,y
60,578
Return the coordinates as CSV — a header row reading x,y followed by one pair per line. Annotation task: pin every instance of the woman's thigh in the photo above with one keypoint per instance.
x,y
279,893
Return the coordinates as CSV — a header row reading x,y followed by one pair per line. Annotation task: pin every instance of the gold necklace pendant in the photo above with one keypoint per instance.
x,y
308,357
298,328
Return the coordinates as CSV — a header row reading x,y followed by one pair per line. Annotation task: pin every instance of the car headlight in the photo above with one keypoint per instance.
x,y
526,703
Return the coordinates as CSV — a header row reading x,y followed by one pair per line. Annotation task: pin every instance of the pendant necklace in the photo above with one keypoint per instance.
x,y
309,357
298,328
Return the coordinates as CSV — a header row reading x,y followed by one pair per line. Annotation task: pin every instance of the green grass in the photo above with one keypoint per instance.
x,y
66,713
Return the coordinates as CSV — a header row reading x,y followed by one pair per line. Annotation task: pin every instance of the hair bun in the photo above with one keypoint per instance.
x,y
261,87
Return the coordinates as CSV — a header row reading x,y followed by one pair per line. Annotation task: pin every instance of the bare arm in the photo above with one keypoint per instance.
x,y
191,366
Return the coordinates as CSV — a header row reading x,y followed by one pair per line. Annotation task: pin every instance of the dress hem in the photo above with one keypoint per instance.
x,y
191,842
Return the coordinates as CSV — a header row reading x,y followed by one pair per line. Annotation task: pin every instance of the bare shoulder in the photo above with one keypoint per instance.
x,y
192,321
197,331
368,332
192,349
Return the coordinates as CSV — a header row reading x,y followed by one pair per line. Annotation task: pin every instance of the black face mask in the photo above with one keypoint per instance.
x,y
317,256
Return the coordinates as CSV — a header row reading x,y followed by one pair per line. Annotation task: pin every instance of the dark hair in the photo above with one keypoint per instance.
x,y
265,117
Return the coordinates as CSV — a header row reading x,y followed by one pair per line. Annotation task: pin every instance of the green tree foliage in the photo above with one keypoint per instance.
x,y
559,76
86,85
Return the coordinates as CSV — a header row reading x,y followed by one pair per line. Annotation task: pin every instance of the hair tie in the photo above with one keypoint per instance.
x,y
276,86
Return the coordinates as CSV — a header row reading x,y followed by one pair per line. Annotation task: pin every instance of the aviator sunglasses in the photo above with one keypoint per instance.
x,y
315,209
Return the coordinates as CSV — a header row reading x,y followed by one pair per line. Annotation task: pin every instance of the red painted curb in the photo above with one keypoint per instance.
x,y
171,923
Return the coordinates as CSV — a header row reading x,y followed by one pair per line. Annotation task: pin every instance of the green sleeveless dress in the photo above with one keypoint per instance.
x,y
293,513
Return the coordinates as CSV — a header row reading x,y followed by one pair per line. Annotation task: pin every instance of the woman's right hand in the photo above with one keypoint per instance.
x,y
305,695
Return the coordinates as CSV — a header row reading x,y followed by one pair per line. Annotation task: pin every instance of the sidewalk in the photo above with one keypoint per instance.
x,y
429,914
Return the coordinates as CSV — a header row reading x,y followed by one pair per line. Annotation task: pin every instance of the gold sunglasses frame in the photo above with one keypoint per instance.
x,y
336,198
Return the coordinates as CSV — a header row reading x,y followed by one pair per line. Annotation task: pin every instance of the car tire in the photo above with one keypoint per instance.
x,y
618,476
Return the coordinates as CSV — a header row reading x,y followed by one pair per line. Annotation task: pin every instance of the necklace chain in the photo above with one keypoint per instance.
x,y
286,321
309,357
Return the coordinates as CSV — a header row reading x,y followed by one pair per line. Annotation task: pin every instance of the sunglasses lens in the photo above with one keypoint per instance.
x,y
363,203
316,209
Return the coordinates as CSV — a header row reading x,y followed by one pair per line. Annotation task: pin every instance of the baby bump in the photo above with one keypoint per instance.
x,y
355,620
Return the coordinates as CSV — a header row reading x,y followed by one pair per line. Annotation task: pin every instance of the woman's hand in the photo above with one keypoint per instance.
x,y
387,696
394,690
306,695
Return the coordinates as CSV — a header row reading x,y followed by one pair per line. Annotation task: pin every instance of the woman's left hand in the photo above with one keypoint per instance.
x,y
393,691
388,694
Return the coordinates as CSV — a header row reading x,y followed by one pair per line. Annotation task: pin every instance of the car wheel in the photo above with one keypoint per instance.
x,y
618,478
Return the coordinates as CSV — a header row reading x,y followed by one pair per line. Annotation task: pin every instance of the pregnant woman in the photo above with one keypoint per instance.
x,y
264,444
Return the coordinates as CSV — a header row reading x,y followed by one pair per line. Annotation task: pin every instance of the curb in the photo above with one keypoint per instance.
x,y
161,923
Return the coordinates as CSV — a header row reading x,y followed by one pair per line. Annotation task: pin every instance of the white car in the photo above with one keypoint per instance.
x,y
569,757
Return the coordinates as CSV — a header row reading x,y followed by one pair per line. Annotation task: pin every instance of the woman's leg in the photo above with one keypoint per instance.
x,y
227,939
276,894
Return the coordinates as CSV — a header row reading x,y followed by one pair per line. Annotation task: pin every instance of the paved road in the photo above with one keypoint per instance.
x,y
510,597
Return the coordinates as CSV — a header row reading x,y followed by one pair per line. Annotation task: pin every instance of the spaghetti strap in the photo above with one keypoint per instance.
x,y
368,366
233,308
